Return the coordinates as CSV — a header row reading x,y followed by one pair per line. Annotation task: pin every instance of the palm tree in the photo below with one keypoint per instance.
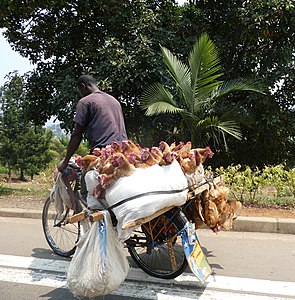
x,y
196,89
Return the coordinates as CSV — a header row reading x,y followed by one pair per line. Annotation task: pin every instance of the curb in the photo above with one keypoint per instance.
x,y
246,224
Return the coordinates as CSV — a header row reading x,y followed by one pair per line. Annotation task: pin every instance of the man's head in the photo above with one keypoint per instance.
x,y
86,85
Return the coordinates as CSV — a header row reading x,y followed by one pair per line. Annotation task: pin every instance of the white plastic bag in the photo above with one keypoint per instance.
x,y
99,265
164,187
59,195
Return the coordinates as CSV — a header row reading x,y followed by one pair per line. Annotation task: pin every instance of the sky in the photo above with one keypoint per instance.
x,y
10,60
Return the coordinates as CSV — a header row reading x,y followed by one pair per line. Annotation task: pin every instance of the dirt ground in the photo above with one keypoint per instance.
x,y
26,202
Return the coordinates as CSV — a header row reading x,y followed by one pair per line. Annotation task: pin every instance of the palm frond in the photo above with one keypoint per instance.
x,y
179,72
204,62
156,99
238,84
219,129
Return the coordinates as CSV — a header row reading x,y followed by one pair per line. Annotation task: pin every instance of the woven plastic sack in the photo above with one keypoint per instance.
x,y
153,189
99,265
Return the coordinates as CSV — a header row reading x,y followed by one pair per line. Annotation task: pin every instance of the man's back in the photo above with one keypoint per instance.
x,y
101,116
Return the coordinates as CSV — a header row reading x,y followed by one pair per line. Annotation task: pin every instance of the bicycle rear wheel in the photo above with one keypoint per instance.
x,y
60,235
156,247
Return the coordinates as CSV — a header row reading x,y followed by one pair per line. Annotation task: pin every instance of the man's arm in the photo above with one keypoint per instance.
x,y
74,143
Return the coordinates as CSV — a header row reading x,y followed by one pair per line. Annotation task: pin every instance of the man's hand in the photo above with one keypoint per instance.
x,y
61,166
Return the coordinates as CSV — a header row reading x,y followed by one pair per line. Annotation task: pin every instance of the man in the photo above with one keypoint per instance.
x,y
99,115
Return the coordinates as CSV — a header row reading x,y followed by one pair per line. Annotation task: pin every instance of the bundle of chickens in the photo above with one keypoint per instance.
x,y
119,160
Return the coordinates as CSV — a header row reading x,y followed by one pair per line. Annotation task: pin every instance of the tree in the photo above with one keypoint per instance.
x,y
255,37
23,145
109,44
120,47
197,88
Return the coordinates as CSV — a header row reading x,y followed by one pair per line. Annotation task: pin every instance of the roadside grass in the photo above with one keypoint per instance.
x,y
36,189
266,196
280,202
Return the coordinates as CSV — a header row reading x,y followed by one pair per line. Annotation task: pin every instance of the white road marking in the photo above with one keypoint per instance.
x,y
52,273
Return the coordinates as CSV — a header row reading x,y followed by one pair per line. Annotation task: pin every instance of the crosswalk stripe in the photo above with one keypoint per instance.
x,y
52,273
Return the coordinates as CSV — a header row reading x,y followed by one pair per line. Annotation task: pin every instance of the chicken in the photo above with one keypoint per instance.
x,y
201,154
168,158
108,166
210,212
157,154
136,161
87,162
147,158
193,212
129,147
188,165
228,210
135,147
184,151
173,146
117,167
117,147
164,147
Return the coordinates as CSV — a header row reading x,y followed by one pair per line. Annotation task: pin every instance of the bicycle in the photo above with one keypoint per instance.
x,y
155,246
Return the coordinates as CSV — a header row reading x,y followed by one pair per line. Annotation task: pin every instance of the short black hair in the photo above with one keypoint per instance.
x,y
86,79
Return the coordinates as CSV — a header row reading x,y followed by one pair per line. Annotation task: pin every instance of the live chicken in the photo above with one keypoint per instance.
x,y
201,154
87,162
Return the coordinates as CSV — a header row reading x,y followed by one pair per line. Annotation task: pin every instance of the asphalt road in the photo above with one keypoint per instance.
x,y
238,257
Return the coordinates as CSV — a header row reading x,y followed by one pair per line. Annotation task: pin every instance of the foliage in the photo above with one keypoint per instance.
x,y
23,146
3,170
197,87
257,36
58,148
120,47
252,185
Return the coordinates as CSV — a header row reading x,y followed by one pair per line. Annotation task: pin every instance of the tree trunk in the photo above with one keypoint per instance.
x,y
9,174
22,177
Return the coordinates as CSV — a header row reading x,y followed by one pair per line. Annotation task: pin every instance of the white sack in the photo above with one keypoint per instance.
x,y
91,179
99,265
197,178
152,179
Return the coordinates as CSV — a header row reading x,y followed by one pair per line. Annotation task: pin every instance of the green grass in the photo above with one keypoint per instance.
x,y
266,197
5,191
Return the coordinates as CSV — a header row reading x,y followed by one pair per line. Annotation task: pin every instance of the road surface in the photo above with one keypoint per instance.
x,y
246,266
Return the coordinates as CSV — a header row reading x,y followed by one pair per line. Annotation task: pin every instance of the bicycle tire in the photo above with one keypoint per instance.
x,y
60,236
151,255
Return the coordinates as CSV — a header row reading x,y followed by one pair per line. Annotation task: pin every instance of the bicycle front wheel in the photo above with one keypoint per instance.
x,y
156,247
60,235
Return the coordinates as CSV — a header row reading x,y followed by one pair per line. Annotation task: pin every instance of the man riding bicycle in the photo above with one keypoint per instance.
x,y
99,116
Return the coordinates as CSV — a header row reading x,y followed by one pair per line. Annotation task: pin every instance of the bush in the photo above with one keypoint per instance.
x,y
3,170
270,185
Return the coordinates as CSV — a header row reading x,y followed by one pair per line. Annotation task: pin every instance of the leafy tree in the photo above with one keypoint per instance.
x,y
58,148
255,36
23,145
106,42
197,88
120,47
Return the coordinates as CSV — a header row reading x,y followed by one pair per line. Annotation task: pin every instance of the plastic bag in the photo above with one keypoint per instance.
x,y
99,265
59,195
